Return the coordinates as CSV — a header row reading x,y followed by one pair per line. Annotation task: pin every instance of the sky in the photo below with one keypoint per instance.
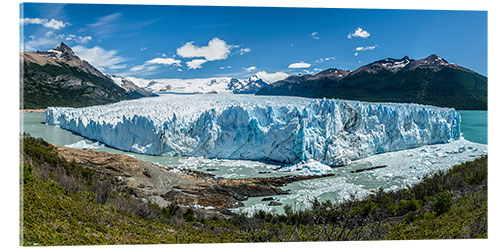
x,y
153,42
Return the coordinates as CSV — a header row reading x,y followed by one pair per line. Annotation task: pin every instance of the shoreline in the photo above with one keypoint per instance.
x,y
32,110
165,185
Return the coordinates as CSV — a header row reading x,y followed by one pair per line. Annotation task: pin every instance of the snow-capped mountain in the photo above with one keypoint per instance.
x,y
207,85
434,63
129,86
391,64
197,85
248,86
64,54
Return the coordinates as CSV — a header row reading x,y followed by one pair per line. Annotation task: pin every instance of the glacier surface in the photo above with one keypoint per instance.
x,y
267,128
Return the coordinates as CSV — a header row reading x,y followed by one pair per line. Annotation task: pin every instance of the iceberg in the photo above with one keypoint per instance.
x,y
281,129
82,144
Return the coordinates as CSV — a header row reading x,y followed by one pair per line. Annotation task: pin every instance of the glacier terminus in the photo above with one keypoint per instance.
x,y
281,129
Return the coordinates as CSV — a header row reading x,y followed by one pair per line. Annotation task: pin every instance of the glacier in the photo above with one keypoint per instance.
x,y
265,128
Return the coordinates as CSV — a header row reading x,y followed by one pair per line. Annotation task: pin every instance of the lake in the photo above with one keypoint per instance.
x,y
474,125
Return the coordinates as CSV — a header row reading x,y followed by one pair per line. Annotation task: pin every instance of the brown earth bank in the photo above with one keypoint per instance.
x,y
165,185
32,110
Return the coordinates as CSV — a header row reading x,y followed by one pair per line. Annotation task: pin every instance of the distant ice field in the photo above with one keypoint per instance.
x,y
288,130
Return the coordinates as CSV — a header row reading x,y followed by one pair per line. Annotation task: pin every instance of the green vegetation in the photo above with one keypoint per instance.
x,y
447,87
67,204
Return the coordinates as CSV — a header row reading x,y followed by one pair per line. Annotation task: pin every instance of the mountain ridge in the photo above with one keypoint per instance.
x,y
58,77
431,80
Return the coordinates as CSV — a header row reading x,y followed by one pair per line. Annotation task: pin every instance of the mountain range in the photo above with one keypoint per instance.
x,y
431,81
58,77
211,85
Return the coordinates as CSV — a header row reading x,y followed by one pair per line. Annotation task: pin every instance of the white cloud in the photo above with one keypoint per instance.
x,y
40,43
106,25
228,67
252,68
100,58
52,23
244,50
359,49
221,67
165,61
365,48
78,39
144,68
143,48
55,24
152,64
52,39
315,35
359,32
196,63
216,49
271,77
180,70
299,65
324,59
26,21
105,20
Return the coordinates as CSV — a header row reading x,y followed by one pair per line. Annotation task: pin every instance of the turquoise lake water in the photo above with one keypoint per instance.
x,y
474,125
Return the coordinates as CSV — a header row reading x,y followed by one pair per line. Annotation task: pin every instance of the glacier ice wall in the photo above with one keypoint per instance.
x,y
282,129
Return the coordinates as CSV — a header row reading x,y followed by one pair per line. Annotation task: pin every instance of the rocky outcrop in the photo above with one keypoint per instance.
x,y
166,185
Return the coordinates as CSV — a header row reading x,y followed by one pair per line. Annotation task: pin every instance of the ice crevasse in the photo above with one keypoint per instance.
x,y
268,128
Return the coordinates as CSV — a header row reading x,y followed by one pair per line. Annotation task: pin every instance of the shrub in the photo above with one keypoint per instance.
x,y
443,203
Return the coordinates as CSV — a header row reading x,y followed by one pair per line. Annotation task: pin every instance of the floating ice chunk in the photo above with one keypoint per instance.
x,y
264,128
203,207
309,167
84,145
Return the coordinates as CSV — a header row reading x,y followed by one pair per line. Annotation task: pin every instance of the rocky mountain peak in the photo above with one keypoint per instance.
x,y
333,74
434,63
390,64
65,49
64,54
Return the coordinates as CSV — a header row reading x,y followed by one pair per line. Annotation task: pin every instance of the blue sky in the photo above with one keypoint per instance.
x,y
190,42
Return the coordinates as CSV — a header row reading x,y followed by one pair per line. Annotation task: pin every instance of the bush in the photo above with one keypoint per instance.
x,y
443,203
189,215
